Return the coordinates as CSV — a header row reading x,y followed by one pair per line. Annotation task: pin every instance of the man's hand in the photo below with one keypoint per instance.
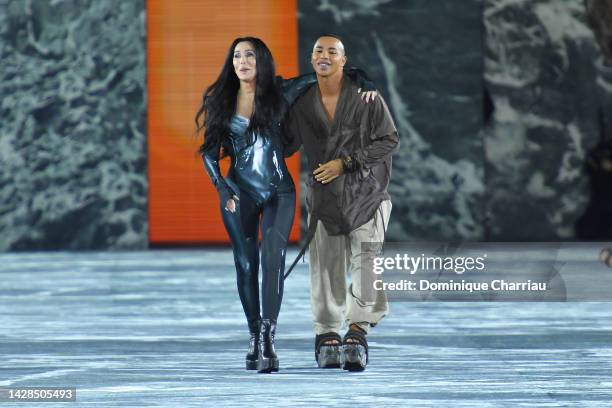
x,y
367,96
329,171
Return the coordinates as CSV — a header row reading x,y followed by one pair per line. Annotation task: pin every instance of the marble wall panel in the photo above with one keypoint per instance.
x,y
544,91
73,128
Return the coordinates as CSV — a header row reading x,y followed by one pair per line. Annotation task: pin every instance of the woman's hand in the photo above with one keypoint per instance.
x,y
367,96
230,205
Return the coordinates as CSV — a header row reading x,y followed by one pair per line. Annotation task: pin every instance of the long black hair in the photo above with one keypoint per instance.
x,y
219,99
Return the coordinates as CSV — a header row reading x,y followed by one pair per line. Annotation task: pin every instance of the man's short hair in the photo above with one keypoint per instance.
x,y
333,36
336,37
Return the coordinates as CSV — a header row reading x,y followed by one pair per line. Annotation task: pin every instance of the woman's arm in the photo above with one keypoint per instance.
x,y
211,164
293,88
360,78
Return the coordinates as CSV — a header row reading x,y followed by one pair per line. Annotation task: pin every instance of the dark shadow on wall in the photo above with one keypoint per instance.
x,y
596,223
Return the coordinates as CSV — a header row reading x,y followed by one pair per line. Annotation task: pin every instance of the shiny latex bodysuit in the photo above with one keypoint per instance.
x,y
258,176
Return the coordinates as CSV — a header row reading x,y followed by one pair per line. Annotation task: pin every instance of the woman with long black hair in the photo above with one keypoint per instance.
x,y
241,113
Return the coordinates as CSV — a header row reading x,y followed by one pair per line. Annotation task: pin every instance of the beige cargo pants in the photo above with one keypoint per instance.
x,y
333,301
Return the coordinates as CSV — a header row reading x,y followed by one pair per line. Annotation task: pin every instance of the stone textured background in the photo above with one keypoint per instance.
x,y
491,150
496,102
542,78
72,134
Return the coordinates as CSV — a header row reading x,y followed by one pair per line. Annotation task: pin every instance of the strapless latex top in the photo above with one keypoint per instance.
x,y
257,166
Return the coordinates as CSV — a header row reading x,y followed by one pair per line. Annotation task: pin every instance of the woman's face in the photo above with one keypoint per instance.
x,y
244,61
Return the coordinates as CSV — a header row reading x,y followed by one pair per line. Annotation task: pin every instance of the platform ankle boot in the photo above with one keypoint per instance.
x,y
268,361
253,353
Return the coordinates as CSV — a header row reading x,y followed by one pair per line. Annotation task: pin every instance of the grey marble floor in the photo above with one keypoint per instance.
x,y
165,328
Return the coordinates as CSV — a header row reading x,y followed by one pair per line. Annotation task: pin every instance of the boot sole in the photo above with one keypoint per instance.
x,y
251,364
355,358
329,357
267,365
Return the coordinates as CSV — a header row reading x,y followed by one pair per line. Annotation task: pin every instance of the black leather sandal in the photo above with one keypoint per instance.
x,y
328,355
355,353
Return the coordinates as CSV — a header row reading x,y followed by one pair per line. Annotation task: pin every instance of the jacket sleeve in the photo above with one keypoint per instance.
x,y
382,136
211,164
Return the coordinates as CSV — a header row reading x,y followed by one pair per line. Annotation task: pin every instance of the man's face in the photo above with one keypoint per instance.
x,y
328,56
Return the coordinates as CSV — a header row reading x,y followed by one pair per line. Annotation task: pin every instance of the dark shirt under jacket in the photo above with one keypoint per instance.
x,y
365,132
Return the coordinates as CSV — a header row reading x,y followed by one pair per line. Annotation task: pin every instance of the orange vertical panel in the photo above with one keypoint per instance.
x,y
187,41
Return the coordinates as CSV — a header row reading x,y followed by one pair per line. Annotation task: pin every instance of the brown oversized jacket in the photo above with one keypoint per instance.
x,y
365,132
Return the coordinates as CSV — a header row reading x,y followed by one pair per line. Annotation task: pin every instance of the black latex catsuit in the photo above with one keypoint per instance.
x,y
259,177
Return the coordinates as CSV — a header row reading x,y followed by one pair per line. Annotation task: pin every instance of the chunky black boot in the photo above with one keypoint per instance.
x,y
253,353
268,361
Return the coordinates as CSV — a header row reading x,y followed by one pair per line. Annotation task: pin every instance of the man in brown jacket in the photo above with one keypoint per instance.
x,y
348,145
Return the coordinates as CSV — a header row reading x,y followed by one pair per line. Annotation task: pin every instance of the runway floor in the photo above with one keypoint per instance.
x,y
165,328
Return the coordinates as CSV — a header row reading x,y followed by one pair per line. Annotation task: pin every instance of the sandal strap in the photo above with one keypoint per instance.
x,y
356,335
322,338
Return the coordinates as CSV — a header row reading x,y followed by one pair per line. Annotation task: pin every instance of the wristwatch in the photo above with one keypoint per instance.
x,y
347,162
